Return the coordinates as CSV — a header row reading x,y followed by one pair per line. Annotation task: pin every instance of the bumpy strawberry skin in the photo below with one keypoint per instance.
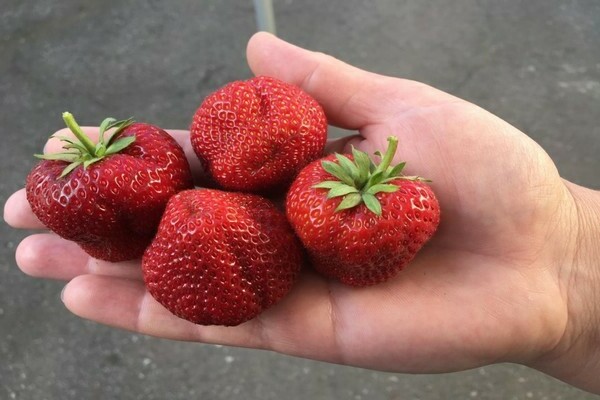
x,y
355,245
256,135
112,207
221,258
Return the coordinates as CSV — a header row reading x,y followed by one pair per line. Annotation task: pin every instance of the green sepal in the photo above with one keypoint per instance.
x,y
341,190
416,178
363,164
119,145
119,125
337,171
390,179
348,166
372,166
351,200
89,162
64,139
67,157
100,147
74,145
372,203
397,170
70,168
82,151
122,124
382,187
327,185
361,180
376,178
104,127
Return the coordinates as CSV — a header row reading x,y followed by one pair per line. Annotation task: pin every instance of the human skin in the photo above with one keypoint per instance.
x,y
512,275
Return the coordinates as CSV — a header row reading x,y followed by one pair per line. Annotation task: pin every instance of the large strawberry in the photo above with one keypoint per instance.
x,y
221,258
109,196
361,222
256,135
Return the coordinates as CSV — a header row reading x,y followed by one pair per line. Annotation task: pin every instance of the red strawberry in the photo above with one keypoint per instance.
x,y
109,197
360,222
221,258
256,135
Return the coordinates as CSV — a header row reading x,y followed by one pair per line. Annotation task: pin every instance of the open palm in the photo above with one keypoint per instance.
x,y
483,290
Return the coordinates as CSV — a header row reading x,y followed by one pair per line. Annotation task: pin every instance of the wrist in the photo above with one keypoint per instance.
x,y
575,358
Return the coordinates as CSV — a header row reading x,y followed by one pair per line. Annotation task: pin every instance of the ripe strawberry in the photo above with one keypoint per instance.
x,y
108,197
360,222
256,135
221,258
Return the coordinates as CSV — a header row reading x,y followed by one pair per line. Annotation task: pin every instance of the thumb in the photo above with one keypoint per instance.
x,y
337,86
352,98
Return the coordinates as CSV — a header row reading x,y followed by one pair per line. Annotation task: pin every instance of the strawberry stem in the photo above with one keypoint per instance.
x,y
79,134
389,154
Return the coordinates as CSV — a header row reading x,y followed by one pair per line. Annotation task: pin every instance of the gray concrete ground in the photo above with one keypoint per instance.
x,y
536,63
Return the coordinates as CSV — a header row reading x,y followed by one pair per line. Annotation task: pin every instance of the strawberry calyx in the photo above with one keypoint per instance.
x,y
81,150
360,179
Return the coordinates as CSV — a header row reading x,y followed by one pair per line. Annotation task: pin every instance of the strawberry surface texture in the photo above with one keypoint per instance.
x,y
361,223
221,258
110,203
256,135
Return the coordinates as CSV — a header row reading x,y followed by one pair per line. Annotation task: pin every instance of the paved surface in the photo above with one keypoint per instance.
x,y
535,63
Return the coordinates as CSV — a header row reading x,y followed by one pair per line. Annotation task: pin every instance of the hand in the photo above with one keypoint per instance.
x,y
493,285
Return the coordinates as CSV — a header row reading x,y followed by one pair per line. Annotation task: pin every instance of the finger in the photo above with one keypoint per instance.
x,y
18,214
352,98
183,138
300,324
46,255
125,304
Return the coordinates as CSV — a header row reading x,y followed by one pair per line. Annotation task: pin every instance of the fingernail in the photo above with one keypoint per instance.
x,y
62,294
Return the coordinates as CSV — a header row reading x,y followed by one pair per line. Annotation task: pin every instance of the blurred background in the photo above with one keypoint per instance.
x,y
535,63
